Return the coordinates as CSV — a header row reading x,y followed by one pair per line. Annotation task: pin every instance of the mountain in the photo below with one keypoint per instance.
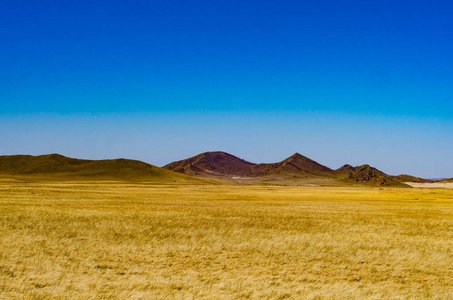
x,y
365,173
221,164
368,174
295,169
212,164
62,167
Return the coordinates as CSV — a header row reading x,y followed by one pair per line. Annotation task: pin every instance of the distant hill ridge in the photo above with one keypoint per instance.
x,y
221,164
366,173
215,164
59,166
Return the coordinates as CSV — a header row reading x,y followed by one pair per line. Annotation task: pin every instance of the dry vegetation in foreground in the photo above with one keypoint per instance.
x,y
125,241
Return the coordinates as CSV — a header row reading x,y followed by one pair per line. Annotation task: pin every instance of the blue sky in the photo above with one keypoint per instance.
x,y
338,81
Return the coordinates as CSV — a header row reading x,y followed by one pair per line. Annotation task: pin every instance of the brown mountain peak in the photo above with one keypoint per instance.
x,y
296,155
298,162
295,158
212,164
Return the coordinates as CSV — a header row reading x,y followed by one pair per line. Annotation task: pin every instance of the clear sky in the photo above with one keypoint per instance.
x,y
338,81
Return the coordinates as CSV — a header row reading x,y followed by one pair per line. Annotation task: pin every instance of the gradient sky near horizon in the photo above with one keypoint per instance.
x,y
338,81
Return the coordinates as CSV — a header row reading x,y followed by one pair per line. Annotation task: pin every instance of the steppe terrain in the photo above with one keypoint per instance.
x,y
113,240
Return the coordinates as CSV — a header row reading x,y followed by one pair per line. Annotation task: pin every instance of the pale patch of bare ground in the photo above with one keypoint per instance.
x,y
118,241
445,185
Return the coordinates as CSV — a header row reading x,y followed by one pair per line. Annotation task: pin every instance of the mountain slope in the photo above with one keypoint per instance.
x,y
295,164
409,178
59,166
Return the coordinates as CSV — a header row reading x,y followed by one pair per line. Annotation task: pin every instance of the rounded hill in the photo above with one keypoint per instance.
x,y
59,166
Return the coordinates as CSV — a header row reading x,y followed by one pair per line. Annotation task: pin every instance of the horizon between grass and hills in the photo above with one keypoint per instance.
x,y
206,168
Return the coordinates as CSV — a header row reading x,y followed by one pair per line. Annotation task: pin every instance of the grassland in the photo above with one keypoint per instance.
x,y
137,241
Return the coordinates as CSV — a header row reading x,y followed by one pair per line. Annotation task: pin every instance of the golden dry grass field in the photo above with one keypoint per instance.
x,y
86,240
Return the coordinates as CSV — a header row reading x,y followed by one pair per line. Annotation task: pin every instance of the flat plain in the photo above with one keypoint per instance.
x,y
111,240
